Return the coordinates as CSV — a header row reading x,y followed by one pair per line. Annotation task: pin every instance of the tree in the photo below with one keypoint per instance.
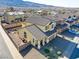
x,y
11,9
46,50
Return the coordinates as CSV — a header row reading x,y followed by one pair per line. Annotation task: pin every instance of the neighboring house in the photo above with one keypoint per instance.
x,y
61,27
72,19
43,23
11,16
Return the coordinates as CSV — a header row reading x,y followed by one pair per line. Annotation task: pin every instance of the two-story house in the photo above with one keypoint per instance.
x,y
43,23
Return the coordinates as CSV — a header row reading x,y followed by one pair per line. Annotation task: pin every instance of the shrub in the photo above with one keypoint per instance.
x,y
46,50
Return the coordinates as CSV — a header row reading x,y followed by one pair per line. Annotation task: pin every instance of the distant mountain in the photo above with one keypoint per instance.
x,y
20,3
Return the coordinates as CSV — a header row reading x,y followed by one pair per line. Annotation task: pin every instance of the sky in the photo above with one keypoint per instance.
x,y
62,3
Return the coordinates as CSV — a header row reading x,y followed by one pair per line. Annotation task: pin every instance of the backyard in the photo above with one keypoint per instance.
x,y
53,50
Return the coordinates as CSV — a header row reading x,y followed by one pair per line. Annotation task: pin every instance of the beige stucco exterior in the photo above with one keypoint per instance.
x,y
0,18
21,34
30,38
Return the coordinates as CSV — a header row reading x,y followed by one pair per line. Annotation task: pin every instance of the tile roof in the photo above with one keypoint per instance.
x,y
17,41
36,32
38,20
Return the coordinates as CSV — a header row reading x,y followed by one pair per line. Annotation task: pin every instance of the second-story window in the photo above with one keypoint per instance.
x,y
33,40
50,23
25,35
46,28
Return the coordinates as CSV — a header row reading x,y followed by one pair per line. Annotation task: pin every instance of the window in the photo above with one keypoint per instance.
x,y
36,45
12,21
69,17
50,23
41,42
46,28
25,35
25,41
33,40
